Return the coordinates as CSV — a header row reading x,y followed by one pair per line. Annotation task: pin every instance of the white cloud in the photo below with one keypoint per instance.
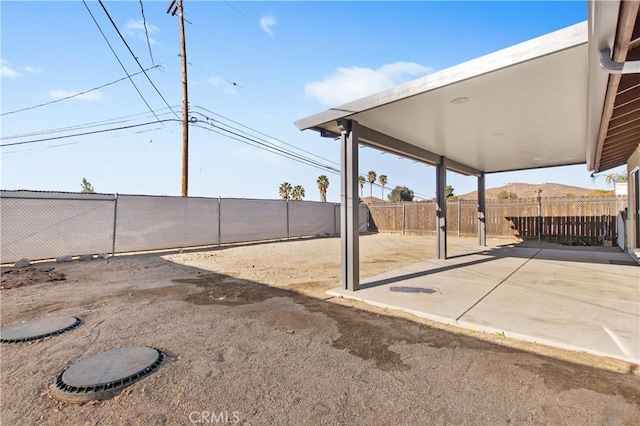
x,y
32,70
90,96
222,84
266,22
348,84
7,71
135,29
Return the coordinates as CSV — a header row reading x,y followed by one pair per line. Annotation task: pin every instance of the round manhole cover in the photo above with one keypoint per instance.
x,y
37,329
102,375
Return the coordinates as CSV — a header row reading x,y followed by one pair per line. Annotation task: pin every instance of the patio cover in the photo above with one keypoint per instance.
x,y
519,108
536,104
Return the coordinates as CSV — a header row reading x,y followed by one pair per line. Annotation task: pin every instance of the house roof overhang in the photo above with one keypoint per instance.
x,y
522,107
614,102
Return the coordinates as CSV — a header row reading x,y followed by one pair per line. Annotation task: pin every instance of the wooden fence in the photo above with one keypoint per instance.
x,y
585,220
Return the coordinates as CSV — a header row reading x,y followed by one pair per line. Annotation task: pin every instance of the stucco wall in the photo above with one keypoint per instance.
x,y
632,216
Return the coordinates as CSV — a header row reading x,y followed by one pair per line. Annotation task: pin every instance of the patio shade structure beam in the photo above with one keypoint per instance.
x,y
375,139
349,205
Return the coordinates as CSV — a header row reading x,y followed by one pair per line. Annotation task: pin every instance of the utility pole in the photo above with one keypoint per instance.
x,y
176,7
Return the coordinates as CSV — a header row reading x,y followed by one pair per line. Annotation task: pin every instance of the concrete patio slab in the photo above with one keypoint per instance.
x,y
579,300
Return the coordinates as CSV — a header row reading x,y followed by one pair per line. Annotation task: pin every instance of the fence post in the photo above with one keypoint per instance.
x,y
288,233
219,221
115,218
459,218
539,199
335,222
404,215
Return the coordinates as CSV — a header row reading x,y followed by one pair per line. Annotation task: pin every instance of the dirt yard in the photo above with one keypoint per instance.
x,y
251,338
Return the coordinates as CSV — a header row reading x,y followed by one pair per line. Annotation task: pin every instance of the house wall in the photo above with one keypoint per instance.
x,y
633,164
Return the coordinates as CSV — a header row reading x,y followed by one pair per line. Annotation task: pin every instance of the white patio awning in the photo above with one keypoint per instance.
x,y
519,108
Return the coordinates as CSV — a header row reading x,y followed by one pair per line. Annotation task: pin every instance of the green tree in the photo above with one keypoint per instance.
x,y
507,195
449,191
400,193
285,190
323,184
361,183
297,193
86,186
383,181
371,178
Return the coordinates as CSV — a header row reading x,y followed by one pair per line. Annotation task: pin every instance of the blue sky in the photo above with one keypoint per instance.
x,y
261,64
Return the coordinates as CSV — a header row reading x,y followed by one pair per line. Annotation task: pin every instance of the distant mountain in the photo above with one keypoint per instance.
x,y
527,190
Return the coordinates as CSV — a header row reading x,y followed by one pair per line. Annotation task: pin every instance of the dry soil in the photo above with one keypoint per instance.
x,y
251,338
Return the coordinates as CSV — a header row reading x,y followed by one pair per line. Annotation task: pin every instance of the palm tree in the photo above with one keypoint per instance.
x,y
383,182
285,190
361,183
87,188
323,184
371,178
297,193
611,178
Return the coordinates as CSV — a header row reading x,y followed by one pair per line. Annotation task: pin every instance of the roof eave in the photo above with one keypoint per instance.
x,y
603,20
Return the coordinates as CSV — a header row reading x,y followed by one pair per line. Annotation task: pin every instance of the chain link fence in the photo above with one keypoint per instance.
x,y
45,225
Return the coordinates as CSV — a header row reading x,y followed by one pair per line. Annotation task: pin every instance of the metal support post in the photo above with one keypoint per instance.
x,y
441,208
539,220
349,205
115,220
482,209
288,234
219,221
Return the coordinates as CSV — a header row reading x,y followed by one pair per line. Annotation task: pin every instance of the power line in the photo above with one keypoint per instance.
x,y
77,94
247,141
273,148
241,12
325,166
119,61
146,31
134,56
106,122
86,133
264,134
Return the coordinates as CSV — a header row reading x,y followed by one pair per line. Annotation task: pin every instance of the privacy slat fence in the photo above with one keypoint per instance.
x,y
587,220
44,225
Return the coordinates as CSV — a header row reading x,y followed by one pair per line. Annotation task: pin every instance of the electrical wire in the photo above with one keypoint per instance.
x,y
246,141
119,61
264,134
134,56
86,133
146,32
317,163
272,148
241,12
76,94
106,122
